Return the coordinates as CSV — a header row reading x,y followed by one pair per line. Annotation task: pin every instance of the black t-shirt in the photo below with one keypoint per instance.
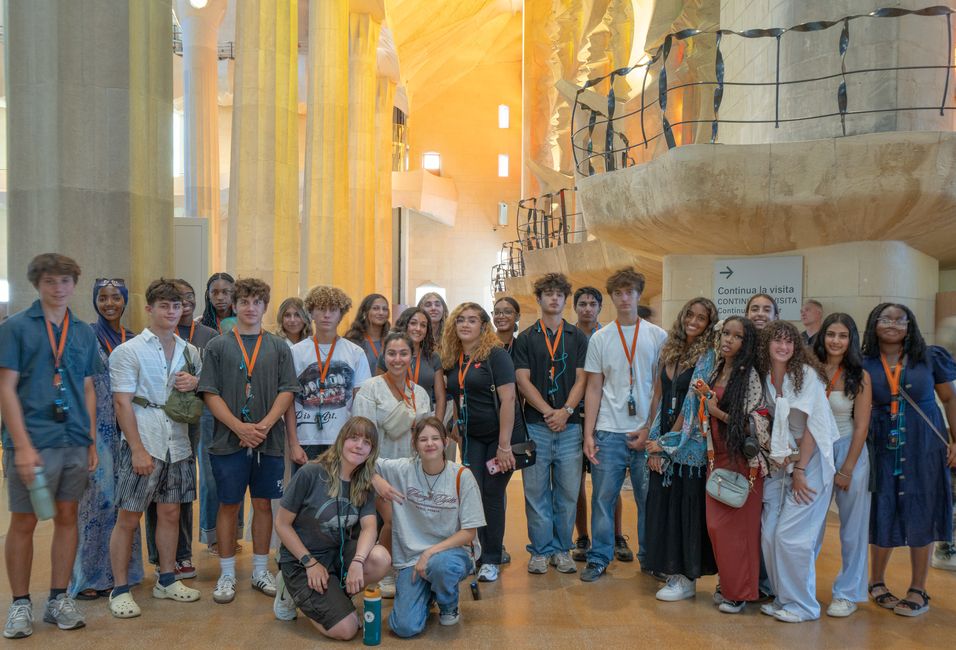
x,y
481,410
531,353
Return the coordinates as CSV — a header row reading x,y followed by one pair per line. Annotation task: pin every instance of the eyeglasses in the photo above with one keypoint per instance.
x,y
503,312
901,323
461,320
189,297
110,282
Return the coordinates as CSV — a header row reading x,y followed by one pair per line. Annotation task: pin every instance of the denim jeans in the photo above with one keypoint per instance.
x,y
607,477
551,488
442,574
208,495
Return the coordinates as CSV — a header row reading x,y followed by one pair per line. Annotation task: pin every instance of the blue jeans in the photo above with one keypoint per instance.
x,y
208,495
442,574
551,488
607,477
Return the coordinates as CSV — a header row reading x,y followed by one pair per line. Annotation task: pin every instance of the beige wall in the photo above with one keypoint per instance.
x,y
851,278
462,125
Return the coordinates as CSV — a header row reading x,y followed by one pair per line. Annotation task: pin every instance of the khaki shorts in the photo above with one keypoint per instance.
x,y
65,470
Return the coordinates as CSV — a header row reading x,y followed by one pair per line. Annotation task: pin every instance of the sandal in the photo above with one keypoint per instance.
x,y
176,591
123,606
908,607
886,600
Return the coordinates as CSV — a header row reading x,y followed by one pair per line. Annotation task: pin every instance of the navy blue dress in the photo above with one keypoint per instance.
x,y
915,506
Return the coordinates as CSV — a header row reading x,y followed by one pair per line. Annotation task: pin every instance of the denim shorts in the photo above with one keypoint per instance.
x,y
236,472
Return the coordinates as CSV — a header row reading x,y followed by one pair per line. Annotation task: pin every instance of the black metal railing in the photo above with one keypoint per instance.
x,y
604,140
511,266
549,220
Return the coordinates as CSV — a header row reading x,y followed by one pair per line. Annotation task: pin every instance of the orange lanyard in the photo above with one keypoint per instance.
x,y
893,379
323,365
109,348
192,330
418,367
553,348
836,377
250,364
629,353
57,347
462,372
409,401
372,345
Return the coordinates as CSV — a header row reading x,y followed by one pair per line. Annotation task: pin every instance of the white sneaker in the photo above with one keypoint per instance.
x,y
841,608
732,606
538,564
944,557
387,586
563,562
265,582
282,605
488,573
225,589
19,620
770,608
677,588
787,616
450,617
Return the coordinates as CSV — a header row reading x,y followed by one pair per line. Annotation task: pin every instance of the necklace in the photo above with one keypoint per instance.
x,y
431,486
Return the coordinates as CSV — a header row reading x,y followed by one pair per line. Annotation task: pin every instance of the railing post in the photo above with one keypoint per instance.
x,y
564,216
662,95
609,131
841,91
719,90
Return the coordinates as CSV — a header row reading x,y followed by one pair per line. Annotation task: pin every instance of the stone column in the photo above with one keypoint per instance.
x,y
263,228
326,247
89,124
363,42
200,28
388,77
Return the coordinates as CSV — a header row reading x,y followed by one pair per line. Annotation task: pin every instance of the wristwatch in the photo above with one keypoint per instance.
x,y
569,409
305,559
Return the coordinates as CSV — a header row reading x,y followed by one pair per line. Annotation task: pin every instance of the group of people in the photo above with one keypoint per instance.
x,y
735,435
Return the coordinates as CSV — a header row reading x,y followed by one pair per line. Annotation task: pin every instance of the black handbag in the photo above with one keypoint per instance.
x,y
525,452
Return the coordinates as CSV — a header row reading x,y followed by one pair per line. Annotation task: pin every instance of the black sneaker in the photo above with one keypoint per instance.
x,y
622,552
592,572
580,551
505,555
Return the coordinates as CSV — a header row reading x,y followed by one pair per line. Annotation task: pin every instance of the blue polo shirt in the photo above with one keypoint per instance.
x,y
25,348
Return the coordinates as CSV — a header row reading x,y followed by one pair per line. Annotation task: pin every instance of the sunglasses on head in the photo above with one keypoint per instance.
x,y
110,282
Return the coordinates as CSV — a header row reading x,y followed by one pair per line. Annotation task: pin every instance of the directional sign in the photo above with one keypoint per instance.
x,y
735,280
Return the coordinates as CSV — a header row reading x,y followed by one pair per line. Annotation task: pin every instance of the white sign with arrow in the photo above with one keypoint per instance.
x,y
735,280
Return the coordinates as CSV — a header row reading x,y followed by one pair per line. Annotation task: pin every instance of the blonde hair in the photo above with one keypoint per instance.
x,y
299,307
451,347
360,482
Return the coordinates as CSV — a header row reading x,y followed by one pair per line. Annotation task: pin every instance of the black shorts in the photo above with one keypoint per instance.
x,y
326,609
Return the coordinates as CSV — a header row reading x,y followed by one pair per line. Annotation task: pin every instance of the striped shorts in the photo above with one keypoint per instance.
x,y
168,482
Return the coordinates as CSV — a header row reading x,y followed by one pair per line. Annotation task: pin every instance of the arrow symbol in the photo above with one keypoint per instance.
x,y
729,272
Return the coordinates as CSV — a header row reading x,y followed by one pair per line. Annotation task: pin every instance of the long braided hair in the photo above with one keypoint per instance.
x,y
734,400
209,313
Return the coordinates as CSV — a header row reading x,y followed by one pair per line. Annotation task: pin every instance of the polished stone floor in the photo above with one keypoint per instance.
x,y
520,611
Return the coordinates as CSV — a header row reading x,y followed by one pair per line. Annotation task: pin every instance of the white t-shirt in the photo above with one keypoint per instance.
x,y
435,507
347,371
606,356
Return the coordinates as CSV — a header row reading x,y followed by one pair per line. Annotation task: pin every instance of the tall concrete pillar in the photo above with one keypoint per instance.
x,y
89,126
200,28
384,103
363,43
326,252
263,223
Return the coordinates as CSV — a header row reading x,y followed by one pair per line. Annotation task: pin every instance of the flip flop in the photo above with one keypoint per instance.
x,y
123,606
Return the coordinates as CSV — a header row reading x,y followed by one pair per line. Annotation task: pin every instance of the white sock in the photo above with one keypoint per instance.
x,y
260,563
227,566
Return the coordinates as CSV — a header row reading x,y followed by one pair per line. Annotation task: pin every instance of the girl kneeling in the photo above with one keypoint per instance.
x,y
432,529
328,529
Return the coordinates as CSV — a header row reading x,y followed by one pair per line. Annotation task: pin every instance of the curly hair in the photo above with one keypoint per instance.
x,y
781,330
299,306
914,346
359,327
401,325
360,481
251,288
734,400
323,297
552,282
451,346
852,363
675,348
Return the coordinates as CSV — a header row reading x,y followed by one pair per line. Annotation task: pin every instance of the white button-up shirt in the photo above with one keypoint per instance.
x,y
139,367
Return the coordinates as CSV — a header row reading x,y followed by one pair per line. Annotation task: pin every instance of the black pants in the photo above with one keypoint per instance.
x,y
492,488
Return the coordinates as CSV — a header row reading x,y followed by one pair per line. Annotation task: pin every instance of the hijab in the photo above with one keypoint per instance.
x,y
107,336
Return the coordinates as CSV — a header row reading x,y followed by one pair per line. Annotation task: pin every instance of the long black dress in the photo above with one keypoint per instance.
x,y
677,540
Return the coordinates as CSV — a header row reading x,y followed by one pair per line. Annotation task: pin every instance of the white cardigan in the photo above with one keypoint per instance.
x,y
393,418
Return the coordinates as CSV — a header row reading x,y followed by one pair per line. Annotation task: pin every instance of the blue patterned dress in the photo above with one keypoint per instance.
x,y
912,504
97,509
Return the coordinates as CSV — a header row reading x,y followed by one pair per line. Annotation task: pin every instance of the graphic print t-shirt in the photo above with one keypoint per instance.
x,y
321,522
329,403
